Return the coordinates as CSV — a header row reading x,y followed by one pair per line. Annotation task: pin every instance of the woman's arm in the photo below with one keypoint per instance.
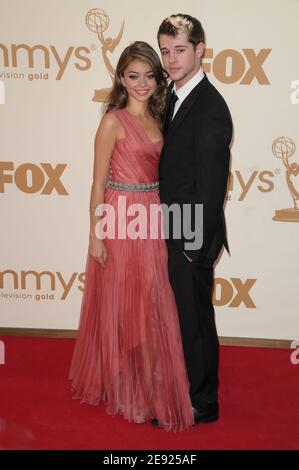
x,y
105,140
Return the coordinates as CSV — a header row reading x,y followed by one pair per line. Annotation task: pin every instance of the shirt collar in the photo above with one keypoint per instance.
x,y
184,91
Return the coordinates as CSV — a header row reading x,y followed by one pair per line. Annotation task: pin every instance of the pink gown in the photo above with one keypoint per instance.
x,y
128,351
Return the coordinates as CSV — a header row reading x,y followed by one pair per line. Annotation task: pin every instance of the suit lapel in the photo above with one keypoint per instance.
x,y
184,110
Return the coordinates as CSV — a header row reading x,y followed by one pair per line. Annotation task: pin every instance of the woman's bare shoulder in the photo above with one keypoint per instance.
x,y
110,125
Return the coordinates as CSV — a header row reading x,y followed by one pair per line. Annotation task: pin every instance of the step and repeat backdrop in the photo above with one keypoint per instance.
x,y
57,61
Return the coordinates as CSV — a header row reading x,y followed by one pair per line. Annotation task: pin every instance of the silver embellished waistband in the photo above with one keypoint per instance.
x,y
122,186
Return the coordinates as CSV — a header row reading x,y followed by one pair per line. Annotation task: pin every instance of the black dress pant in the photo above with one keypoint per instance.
x,y
192,284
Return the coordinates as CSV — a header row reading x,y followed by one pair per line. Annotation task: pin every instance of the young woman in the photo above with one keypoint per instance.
x,y
128,351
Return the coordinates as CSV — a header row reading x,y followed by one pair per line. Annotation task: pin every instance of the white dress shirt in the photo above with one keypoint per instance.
x,y
184,91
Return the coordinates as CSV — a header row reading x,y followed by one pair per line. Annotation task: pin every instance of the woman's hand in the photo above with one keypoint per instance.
x,y
98,251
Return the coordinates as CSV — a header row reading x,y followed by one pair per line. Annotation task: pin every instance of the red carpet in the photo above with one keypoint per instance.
x,y
259,404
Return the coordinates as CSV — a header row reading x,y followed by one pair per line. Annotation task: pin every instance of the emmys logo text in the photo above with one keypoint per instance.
x,y
240,184
2,353
2,92
294,97
233,292
294,358
231,66
47,57
46,283
45,286
31,178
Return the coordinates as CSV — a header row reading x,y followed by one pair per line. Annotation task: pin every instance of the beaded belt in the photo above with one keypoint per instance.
x,y
132,186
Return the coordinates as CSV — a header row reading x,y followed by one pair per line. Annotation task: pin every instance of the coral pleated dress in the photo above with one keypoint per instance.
x,y
128,351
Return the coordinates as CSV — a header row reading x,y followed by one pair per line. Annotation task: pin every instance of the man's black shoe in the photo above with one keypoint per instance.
x,y
206,414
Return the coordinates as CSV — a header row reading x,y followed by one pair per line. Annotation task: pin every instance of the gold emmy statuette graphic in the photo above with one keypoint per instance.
x,y
284,148
97,21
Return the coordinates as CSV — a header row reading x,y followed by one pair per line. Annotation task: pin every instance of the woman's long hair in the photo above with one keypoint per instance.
x,y
118,97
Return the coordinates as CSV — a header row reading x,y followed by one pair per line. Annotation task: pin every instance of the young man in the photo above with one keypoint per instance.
x,y
194,170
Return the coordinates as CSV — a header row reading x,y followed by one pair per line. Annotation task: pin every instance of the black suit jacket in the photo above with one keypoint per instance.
x,y
194,164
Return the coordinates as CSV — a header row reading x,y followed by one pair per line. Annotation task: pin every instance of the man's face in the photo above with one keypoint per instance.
x,y
179,57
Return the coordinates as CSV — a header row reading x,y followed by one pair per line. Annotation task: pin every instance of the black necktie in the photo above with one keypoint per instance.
x,y
170,111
